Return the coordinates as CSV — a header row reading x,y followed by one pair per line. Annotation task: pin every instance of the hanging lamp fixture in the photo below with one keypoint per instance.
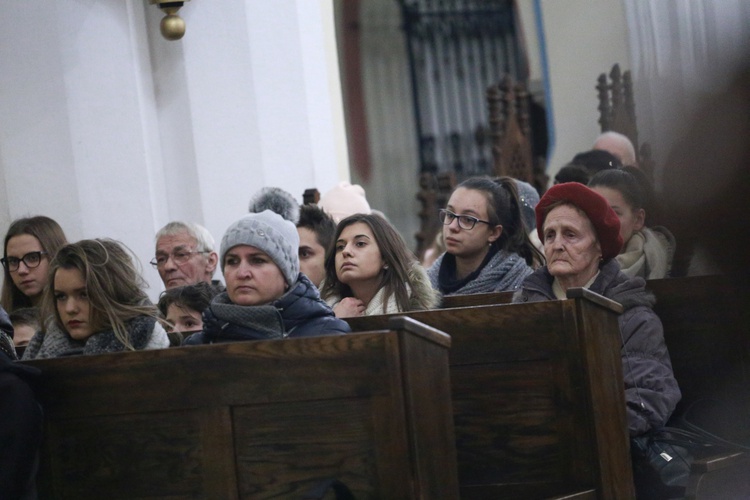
x,y
172,26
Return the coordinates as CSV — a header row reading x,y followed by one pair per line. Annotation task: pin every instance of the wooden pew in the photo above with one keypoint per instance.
x,y
538,398
477,299
256,420
707,330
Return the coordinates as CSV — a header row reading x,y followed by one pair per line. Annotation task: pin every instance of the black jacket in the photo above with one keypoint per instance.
x,y
300,312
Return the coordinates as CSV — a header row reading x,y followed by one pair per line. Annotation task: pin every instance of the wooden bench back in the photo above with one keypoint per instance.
x,y
263,419
537,397
707,330
477,299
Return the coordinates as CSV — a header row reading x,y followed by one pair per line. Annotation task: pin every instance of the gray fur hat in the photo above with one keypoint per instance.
x,y
277,200
271,233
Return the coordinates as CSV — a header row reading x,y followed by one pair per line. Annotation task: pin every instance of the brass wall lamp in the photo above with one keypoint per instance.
x,y
172,26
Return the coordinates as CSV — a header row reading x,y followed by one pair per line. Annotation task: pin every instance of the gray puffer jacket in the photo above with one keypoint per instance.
x,y
651,391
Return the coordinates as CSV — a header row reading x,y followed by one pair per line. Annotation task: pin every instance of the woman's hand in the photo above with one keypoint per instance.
x,y
349,307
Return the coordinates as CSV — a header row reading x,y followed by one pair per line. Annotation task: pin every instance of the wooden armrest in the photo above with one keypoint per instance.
x,y
718,461
580,495
574,293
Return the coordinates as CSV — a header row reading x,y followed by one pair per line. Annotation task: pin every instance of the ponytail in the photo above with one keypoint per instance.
x,y
515,237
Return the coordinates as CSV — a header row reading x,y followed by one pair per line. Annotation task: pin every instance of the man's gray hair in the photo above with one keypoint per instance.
x,y
199,233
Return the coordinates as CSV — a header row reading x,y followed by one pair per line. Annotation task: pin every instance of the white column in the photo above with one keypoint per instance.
x,y
78,118
261,83
114,131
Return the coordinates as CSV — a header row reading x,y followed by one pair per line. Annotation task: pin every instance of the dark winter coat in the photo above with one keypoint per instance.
x,y
22,419
651,391
300,312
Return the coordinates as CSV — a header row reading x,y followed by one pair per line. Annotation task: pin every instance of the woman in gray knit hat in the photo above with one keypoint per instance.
x,y
266,296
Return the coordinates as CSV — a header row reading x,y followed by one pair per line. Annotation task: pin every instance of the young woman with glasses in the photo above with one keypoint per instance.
x,y
30,244
487,246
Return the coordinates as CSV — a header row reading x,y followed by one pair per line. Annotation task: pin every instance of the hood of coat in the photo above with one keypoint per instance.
x,y
423,296
301,304
613,284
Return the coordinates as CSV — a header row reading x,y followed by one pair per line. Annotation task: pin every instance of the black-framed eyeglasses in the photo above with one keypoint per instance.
x,y
30,260
179,257
464,221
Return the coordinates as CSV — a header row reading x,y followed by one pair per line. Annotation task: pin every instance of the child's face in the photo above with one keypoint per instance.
x,y
184,320
22,334
72,302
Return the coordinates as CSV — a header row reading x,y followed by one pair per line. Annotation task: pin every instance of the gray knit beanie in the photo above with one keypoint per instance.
x,y
271,233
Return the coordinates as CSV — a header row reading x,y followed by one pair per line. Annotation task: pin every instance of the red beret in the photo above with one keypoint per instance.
x,y
604,219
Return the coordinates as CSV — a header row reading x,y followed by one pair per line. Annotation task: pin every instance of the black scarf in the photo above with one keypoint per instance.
x,y
447,276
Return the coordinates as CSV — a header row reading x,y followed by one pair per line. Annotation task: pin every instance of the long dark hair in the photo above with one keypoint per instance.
x,y
632,184
396,255
51,238
504,208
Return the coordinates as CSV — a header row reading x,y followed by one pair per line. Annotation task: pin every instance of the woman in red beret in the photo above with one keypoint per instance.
x,y
581,237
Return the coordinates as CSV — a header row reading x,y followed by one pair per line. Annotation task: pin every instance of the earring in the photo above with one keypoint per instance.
x,y
385,267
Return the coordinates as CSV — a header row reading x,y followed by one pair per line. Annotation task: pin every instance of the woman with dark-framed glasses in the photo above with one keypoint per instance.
x,y
487,246
30,244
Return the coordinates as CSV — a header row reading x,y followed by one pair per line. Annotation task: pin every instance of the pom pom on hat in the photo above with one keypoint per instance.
x,y
602,217
343,200
269,232
276,200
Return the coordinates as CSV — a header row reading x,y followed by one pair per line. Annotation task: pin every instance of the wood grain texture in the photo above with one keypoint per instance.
x,y
477,299
538,412
265,419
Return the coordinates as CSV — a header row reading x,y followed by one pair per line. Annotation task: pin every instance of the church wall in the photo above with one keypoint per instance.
x,y
583,38
114,131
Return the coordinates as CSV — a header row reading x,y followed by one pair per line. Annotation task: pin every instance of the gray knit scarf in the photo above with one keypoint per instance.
x,y
504,271
55,343
226,321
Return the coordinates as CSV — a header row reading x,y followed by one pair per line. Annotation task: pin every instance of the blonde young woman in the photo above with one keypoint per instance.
x,y
95,304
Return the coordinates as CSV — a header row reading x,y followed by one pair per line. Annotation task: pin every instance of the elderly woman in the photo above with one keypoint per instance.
x,y
266,297
581,237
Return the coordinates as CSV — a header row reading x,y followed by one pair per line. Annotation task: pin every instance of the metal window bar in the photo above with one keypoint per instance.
x,y
457,49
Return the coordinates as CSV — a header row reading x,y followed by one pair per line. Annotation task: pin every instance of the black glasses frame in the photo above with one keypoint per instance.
x,y
12,263
464,221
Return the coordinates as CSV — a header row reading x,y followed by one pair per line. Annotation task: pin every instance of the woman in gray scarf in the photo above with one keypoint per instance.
x,y
487,246
267,297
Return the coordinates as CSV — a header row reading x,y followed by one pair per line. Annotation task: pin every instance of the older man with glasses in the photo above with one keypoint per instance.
x,y
185,254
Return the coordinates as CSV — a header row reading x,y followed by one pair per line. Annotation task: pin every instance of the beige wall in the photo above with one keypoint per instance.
x,y
583,39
